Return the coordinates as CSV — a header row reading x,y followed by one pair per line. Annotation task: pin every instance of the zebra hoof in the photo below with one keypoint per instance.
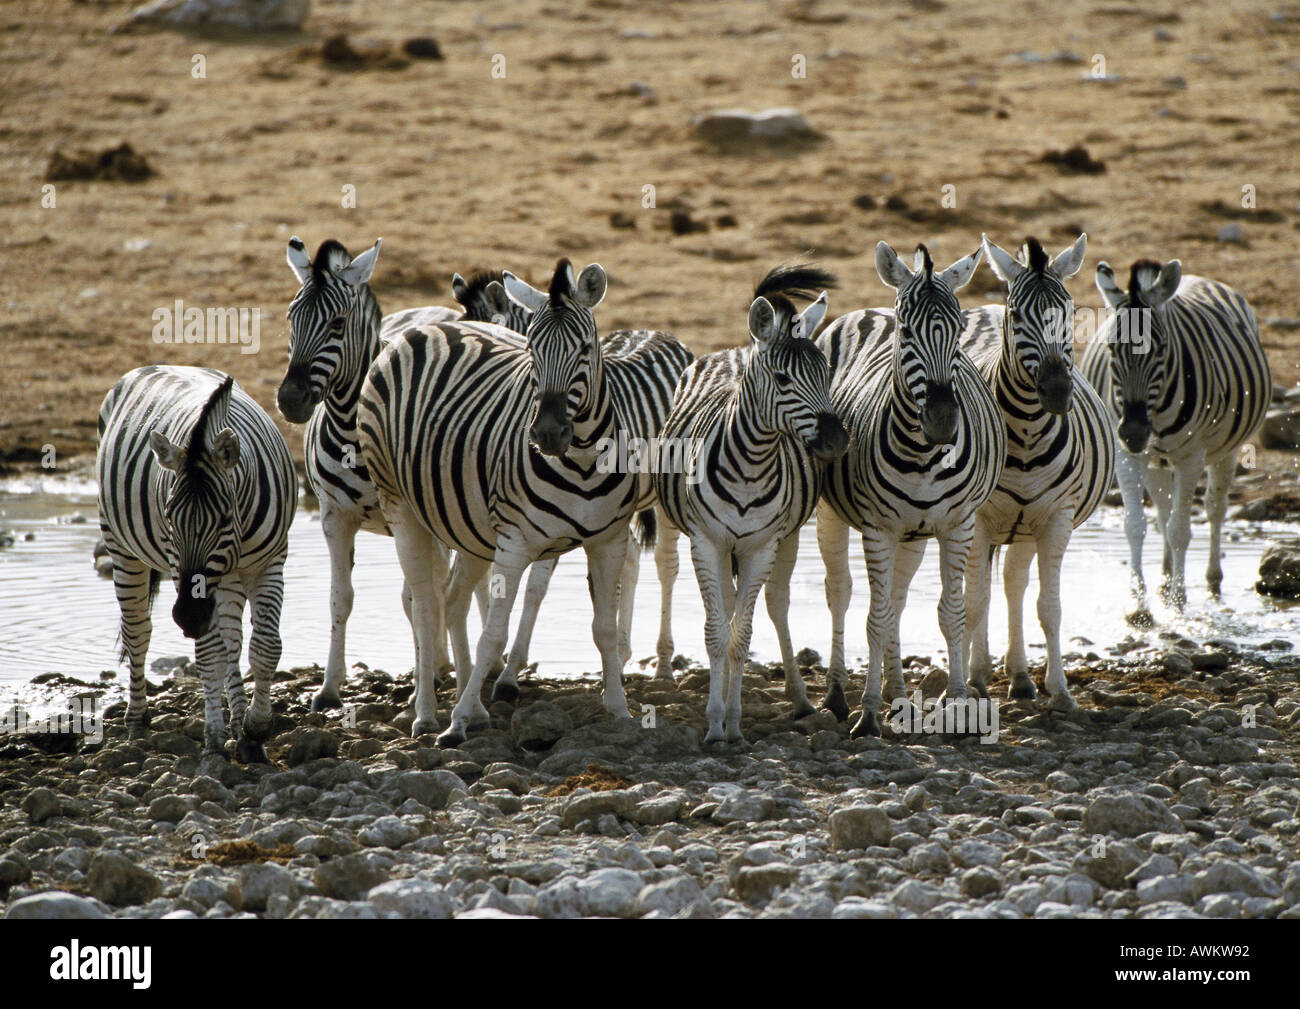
x,y
451,738
505,691
325,702
1022,688
258,732
250,751
423,727
802,709
1140,618
866,725
835,702
981,689
1062,702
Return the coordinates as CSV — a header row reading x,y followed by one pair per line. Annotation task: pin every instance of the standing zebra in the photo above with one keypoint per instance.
x,y
494,450
742,470
646,404
196,481
926,444
1059,463
335,332
1181,366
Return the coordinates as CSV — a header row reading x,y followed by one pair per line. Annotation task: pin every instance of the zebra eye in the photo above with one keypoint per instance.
x,y
782,379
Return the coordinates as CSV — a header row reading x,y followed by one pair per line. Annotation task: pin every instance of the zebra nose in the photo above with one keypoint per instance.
x,y
1135,427
295,398
832,441
1055,388
939,415
552,431
193,616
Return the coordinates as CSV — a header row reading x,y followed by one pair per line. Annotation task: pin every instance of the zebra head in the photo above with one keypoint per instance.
x,y
928,322
564,349
1139,352
484,299
199,512
787,382
1037,323
328,309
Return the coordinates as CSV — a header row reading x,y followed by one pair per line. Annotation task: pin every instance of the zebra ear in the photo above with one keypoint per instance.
x,y
893,272
299,261
1002,263
169,455
1171,274
590,289
762,321
959,274
810,318
526,295
1067,264
359,270
1110,290
225,449
498,302
459,289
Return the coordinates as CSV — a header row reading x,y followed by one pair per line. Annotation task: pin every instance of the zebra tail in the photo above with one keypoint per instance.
x,y
646,528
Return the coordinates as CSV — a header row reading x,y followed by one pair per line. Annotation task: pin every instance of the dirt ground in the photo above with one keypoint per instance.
x,y
456,168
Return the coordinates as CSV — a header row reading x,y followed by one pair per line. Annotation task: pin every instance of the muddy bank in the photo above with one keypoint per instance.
x,y
1172,791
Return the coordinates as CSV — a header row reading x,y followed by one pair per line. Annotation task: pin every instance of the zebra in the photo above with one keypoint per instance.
x,y
926,444
495,451
335,332
485,300
741,471
196,481
1180,364
1060,456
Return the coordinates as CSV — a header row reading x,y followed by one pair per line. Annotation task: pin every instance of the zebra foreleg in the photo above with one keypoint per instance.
x,y
1217,483
415,551
131,584
1015,579
753,570
882,622
266,597
605,561
833,542
954,548
1052,544
712,565
539,580
1179,531
979,563
466,580
1130,472
210,656
666,563
230,618
340,530
777,594
507,569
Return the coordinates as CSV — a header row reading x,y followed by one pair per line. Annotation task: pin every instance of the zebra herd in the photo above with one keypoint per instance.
x,y
479,440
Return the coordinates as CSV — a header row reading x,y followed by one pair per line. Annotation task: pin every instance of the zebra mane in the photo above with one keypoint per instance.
x,y
927,262
217,403
791,279
560,286
331,256
478,282
1143,274
1034,255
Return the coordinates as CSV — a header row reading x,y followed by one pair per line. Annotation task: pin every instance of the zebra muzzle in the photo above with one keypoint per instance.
x,y
295,398
1135,427
1055,389
552,430
831,440
193,616
939,414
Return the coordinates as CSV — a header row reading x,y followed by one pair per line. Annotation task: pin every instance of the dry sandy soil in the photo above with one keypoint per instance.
x,y
457,169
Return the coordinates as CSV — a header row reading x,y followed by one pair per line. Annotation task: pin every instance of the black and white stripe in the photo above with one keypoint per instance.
x,y
335,332
494,450
926,444
1060,456
1180,366
196,482
741,471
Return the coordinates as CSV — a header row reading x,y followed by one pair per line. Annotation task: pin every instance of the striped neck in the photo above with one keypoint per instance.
x,y
361,345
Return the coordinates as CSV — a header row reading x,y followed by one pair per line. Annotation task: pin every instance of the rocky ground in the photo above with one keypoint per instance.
x,y
1171,792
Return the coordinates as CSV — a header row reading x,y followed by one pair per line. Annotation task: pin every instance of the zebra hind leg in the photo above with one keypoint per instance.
x,y
666,563
627,598
979,565
340,537
1218,480
1015,579
506,687
833,543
